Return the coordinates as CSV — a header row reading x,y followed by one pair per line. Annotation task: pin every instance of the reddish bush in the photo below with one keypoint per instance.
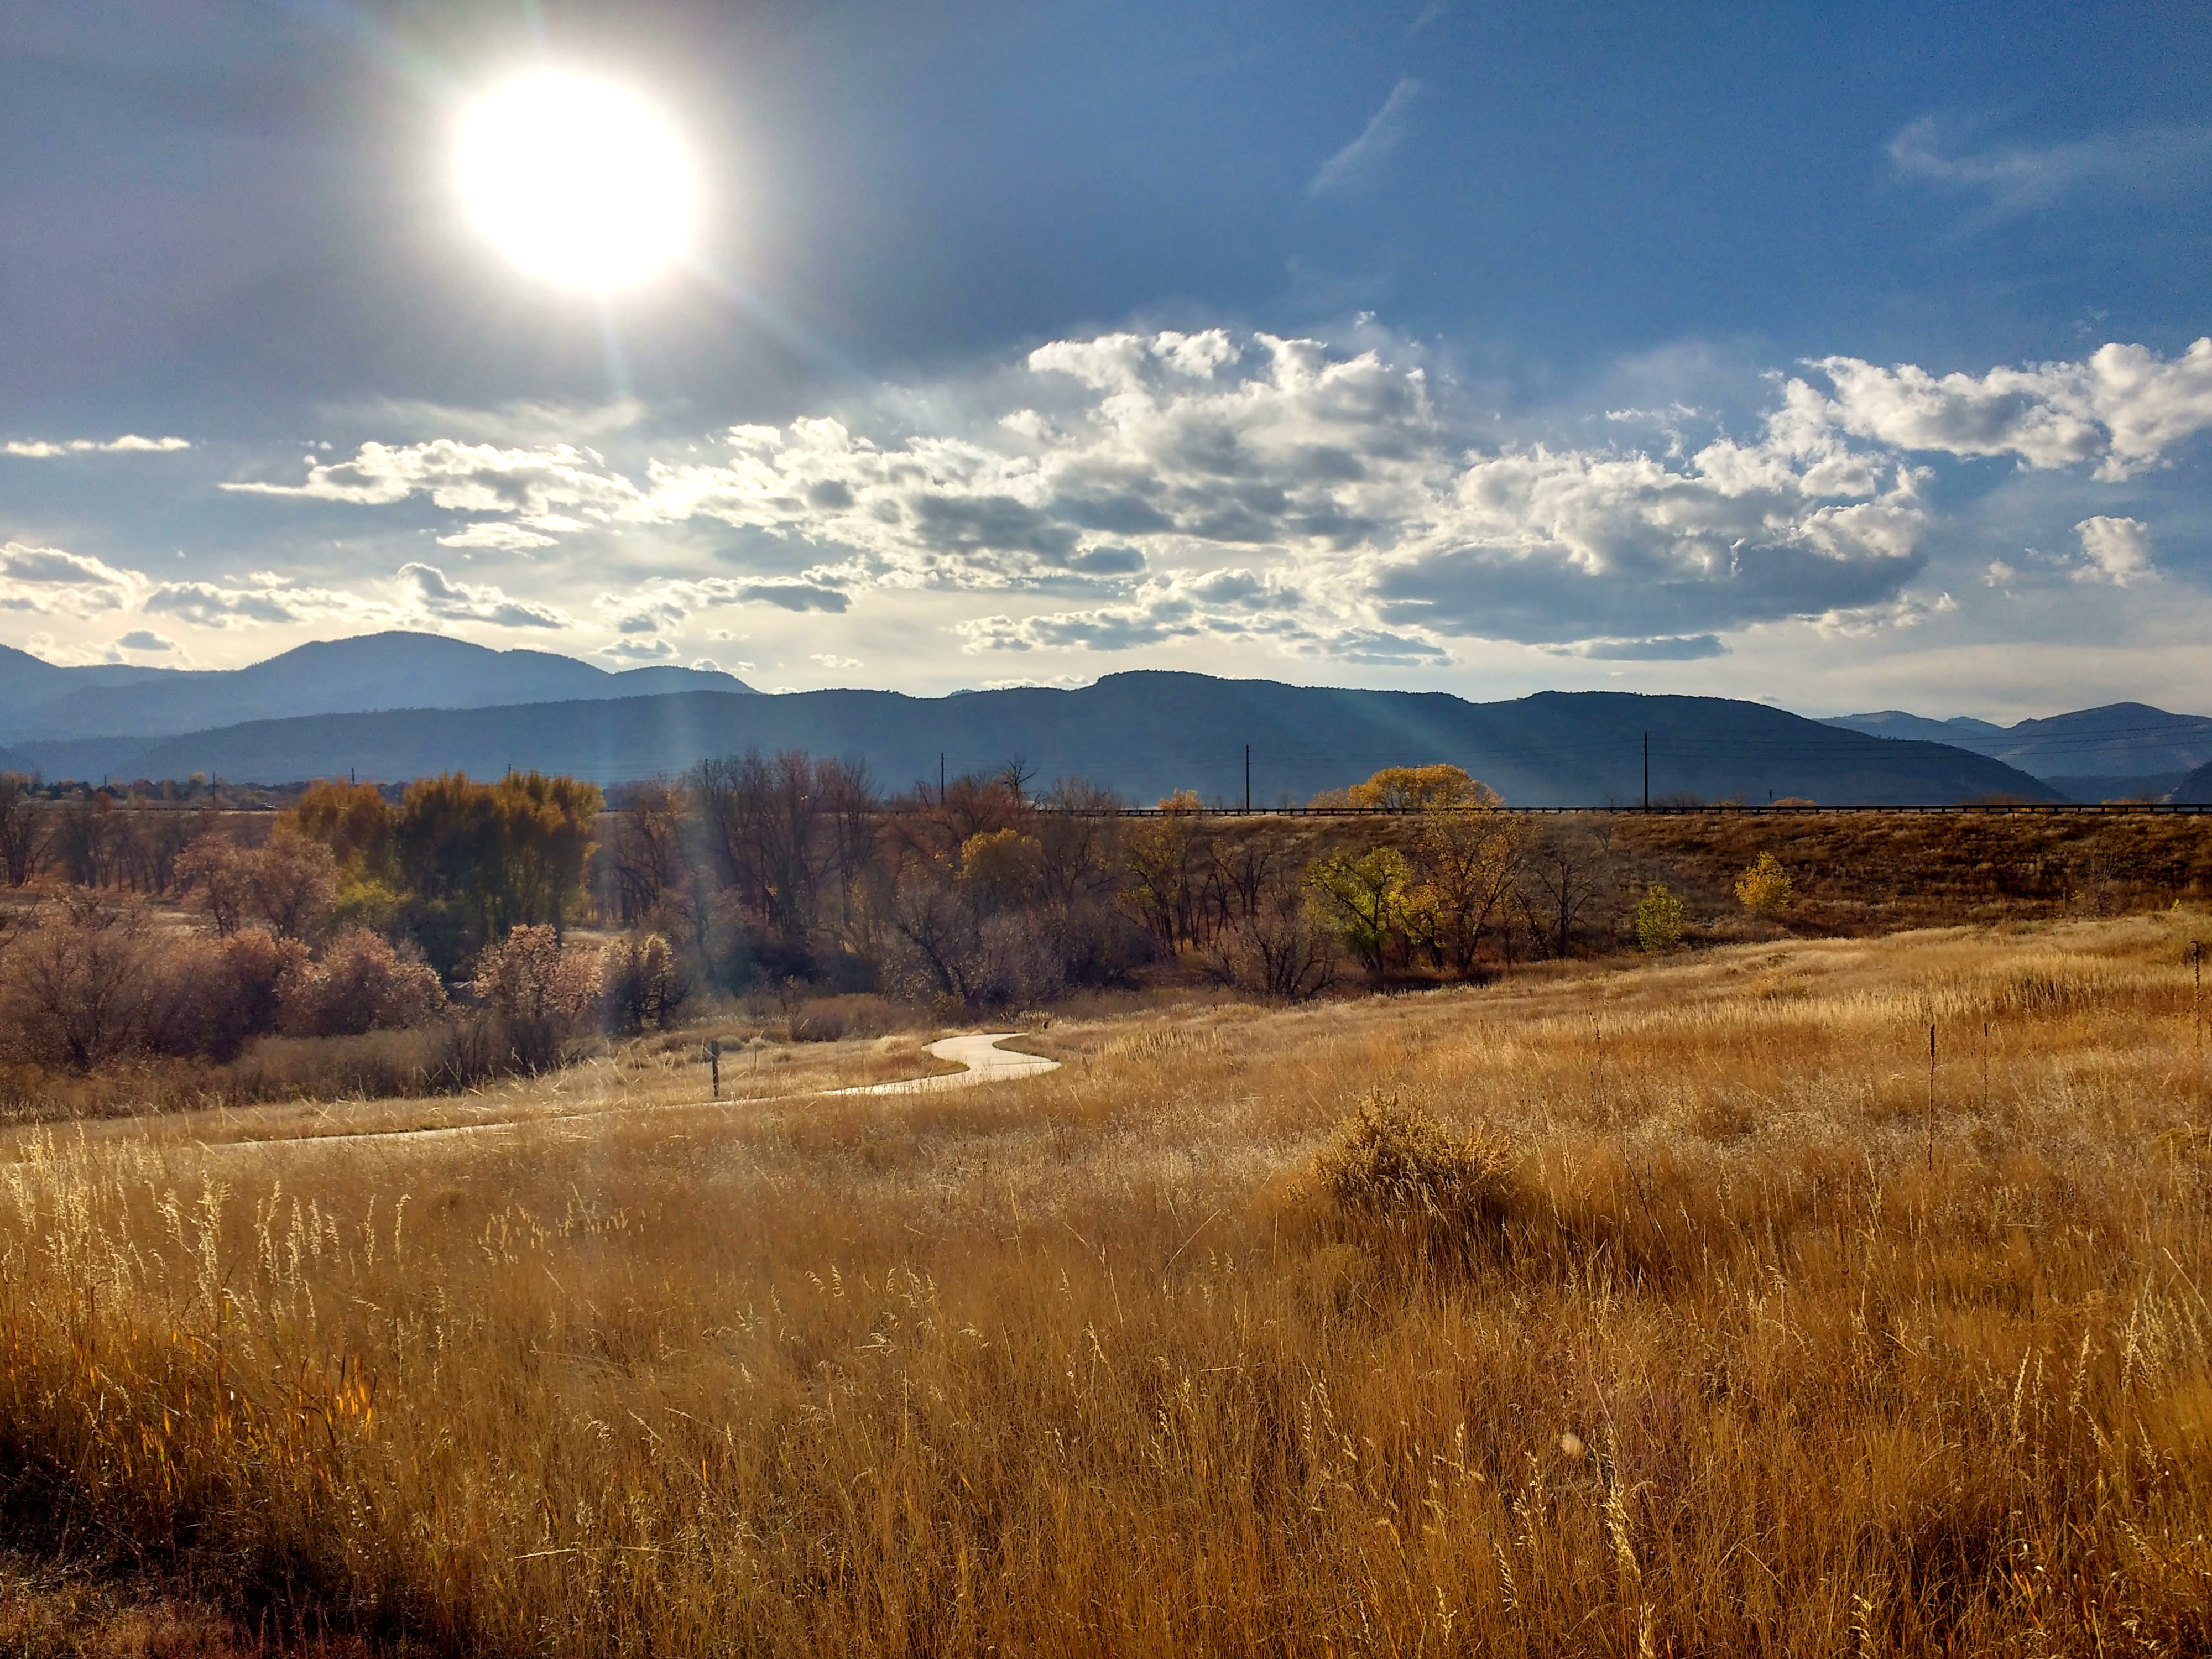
x,y
540,992
360,985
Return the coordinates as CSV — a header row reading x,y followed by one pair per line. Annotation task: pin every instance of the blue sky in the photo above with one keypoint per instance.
x,y
1844,360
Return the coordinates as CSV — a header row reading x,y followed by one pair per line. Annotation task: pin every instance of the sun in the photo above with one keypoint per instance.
x,y
578,181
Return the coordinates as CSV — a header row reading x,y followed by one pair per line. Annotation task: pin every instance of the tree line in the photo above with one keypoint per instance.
x,y
350,912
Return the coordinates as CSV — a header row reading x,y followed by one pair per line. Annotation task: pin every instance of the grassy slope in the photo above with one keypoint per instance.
x,y
1073,1365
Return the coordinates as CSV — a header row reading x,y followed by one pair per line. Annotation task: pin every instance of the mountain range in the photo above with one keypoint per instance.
x,y
397,705
1144,735
2123,750
39,700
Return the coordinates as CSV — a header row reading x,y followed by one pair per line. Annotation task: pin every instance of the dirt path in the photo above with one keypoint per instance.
x,y
978,1051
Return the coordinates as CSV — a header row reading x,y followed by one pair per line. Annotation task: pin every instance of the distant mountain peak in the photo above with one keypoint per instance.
x,y
359,673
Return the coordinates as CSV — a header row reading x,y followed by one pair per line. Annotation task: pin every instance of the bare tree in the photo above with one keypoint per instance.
x,y
75,991
83,838
1567,871
1280,948
22,829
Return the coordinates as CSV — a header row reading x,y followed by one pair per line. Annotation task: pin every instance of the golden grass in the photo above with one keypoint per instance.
x,y
1085,1364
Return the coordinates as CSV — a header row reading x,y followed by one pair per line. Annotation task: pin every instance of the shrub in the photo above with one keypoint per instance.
x,y
540,992
76,991
360,985
1658,920
209,996
1391,1162
639,984
1764,887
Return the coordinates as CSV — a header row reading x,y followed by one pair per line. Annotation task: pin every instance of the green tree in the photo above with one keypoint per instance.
x,y
1363,895
1658,920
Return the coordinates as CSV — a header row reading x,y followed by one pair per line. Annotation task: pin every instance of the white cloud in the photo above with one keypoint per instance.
x,y
2018,177
428,590
1055,683
1135,479
1859,621
129,444
639,651
271,602
2123,407
1358,161
1233,604
830,659
2117,550
498,535
531,485
1664,647
666,602
48,582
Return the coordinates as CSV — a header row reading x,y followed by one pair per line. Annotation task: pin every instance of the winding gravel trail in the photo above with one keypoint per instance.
x,y
979,1052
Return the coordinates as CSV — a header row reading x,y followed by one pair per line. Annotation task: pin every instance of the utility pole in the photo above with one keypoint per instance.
x,y
1248,777
940,777
1647,771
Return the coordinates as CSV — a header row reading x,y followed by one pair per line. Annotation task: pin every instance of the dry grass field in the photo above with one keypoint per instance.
x,y
1744,1350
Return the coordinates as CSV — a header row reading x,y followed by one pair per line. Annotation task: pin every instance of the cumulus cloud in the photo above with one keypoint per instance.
x,y
544,491
48,582
145,639
268,602
428,590
2117,550
129,444
638,652
1358,161
2021,178
2123,407
1158,447
666,602
1166,486
1233,604
1857,621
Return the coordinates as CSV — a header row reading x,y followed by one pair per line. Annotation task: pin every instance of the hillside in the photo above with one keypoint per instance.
x,y
2122,749
41,702
2195,789
1142,735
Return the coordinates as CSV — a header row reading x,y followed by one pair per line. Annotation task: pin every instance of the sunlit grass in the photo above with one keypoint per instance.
x,y
1759,1354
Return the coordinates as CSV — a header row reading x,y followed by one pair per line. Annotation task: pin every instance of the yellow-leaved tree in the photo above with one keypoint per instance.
x,y
1764,887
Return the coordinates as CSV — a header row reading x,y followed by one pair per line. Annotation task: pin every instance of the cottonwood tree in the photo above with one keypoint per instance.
x,y
1361,893
1467,857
